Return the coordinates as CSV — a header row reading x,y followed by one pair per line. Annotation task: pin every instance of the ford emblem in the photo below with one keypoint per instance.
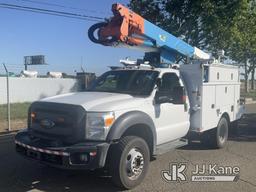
x,y
47,123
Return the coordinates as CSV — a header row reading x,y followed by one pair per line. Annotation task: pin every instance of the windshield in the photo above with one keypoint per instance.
x,y
134,82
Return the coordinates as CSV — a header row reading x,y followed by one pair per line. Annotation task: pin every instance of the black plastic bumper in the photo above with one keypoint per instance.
x,y
86,155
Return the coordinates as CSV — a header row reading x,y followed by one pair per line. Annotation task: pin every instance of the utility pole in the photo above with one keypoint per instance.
x,y
8,98
82,62
253,76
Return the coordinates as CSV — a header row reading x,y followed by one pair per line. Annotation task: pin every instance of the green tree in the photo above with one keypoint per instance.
x,y
203,23
207,24
243,42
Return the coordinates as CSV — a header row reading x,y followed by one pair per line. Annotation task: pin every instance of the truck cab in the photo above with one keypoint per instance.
x,y
76,130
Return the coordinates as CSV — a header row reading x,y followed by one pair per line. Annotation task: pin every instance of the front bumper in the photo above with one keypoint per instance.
x,y
85,155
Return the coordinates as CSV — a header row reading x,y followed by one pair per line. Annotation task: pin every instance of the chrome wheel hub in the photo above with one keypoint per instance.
x,y
134,163
222,134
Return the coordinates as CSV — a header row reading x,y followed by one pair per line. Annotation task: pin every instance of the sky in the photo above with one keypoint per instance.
x,y
63,41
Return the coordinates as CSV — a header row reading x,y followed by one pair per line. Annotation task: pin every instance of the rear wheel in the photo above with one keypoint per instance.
x,y
129,161
217,137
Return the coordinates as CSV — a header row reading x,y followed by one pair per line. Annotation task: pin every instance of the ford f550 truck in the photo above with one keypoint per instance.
x,y
133,113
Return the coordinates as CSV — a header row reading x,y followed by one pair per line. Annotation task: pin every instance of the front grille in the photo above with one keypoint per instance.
x,y
57,121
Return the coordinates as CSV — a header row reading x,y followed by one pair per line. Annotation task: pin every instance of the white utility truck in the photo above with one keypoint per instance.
x,y
134,112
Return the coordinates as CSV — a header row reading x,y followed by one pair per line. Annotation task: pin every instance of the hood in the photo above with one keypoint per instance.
x,y
97,101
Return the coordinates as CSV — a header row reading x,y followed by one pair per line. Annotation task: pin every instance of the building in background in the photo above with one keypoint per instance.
x,y
85,79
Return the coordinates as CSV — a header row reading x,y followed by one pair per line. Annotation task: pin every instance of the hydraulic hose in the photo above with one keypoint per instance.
x,y
100,40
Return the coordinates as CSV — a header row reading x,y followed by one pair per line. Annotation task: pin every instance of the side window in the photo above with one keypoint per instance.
x,y
107,83
169,82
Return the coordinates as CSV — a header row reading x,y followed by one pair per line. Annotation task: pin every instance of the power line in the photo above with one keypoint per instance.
x,y
46,13
63,6
51,12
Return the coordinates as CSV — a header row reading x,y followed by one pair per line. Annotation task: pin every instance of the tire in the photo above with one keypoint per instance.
x,y
217,137
128,162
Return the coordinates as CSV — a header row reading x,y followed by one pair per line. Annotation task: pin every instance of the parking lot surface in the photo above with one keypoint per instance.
x,y
19,174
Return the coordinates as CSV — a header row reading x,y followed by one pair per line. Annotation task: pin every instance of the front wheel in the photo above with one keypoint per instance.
x,y
129,161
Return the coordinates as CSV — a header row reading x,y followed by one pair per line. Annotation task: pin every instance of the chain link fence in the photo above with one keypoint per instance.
x,y
14,120
17,93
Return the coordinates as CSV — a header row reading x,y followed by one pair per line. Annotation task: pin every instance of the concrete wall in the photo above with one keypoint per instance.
x,y
31,89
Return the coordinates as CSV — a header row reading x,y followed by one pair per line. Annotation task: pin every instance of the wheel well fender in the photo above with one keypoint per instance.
x,y
134,122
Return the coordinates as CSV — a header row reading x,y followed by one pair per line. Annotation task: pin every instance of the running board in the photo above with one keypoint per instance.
x,y
166,147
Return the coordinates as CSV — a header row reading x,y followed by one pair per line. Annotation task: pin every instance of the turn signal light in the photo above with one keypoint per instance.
x,y
33,115
109,121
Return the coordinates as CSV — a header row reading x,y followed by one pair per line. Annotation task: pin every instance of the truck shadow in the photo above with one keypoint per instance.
x,y
52,180
244,132
19,174
195,145
246,129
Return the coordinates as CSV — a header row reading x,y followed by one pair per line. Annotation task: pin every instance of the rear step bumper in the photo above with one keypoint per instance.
x,y
86,155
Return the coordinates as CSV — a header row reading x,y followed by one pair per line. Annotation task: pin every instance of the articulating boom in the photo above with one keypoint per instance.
x,y
129,29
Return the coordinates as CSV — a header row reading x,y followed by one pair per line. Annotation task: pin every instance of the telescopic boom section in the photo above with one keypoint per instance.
x,y
129,29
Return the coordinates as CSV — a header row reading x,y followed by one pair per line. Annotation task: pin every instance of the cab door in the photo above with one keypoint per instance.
x,y
171,120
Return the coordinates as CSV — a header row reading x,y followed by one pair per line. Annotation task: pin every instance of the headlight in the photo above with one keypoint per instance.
x,y
98,124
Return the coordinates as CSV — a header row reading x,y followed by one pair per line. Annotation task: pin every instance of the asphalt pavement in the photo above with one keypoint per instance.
x,y
19,174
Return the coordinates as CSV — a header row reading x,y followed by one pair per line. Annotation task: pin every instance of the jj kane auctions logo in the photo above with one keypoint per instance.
x,y
201,173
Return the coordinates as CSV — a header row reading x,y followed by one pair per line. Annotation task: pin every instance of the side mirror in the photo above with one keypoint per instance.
x,y
163,97
179,95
